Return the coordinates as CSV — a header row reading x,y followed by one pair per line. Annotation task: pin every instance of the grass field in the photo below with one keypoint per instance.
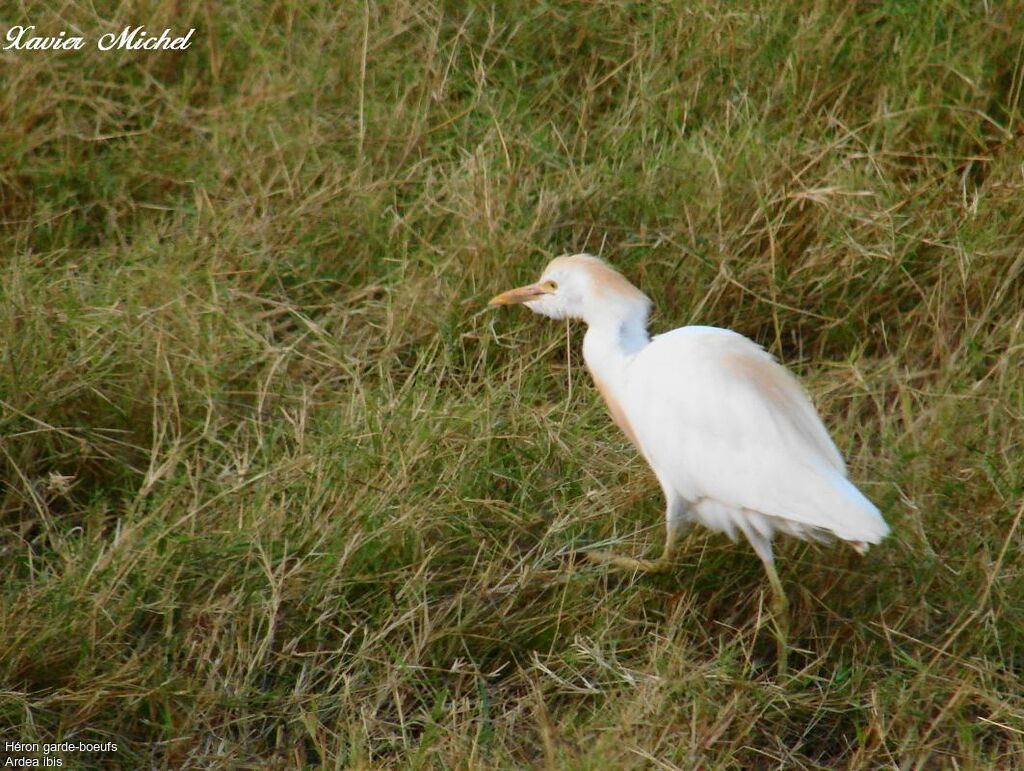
x,y
278,491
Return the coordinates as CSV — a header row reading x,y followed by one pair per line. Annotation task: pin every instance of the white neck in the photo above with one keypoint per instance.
x,y
609,346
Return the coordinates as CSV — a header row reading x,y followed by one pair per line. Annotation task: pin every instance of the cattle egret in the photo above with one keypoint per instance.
x,y
730,434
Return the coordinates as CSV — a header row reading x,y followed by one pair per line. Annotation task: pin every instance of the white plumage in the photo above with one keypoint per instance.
x,y
730,434
733,436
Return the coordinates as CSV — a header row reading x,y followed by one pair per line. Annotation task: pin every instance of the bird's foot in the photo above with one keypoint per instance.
x,y
600,557
780,619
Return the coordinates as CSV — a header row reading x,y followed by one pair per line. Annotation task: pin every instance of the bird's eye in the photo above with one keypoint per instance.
x,y
551,286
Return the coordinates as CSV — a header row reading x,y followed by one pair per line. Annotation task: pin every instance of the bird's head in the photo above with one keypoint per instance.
x,y
581,286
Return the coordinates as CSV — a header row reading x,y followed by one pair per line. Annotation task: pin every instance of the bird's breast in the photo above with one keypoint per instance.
x,y
615,408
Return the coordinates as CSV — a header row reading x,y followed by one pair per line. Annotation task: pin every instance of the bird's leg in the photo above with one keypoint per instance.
x,y
780,604
660,565
780,616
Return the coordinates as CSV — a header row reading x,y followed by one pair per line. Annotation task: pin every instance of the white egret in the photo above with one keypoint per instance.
x,y
730,434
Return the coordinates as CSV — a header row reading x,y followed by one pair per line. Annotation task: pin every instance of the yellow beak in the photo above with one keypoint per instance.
x,y
522,294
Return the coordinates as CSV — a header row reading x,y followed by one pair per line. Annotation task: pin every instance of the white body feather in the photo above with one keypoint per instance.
x,y
733,439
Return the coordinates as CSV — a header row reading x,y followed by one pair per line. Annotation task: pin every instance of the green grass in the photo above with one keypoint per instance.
x,y
277,490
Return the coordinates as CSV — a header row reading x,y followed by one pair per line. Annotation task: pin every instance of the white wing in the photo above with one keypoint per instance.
x,y
721,422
